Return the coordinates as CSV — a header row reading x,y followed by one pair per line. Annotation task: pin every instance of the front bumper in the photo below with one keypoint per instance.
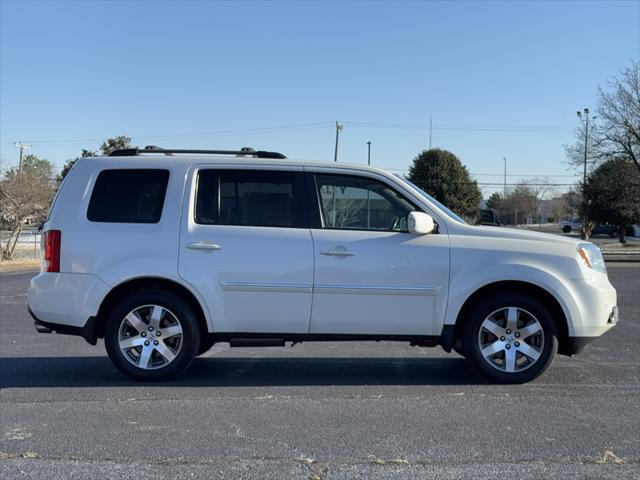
x,y
594,310
574,345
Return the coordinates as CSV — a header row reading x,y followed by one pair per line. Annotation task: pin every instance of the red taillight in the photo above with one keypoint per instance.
x,y
52,251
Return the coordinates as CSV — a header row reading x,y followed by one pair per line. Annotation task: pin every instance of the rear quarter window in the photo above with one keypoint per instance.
x,y
128,196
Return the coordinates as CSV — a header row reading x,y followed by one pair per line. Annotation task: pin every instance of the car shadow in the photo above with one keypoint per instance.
x,y
94,371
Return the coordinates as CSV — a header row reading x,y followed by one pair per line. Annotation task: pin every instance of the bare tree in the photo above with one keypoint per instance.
x,y
528,195
24,196
615,133
619,110
558,207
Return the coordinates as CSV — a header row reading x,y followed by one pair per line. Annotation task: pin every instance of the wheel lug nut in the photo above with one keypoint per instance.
x,y
517,334
517,344
507,346
508,331
146,344
502,339
155,342
143,334
158,333
151,329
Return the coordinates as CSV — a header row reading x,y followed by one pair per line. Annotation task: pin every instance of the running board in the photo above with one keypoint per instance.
x,y
256,342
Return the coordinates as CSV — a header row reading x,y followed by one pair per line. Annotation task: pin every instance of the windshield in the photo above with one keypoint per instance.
x,y
446,210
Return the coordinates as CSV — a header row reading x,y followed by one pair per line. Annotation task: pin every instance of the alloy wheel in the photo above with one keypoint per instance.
x,y
150,337
511,339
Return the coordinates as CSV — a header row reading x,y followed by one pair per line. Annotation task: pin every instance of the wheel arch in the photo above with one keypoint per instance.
x,y
538,292
149,283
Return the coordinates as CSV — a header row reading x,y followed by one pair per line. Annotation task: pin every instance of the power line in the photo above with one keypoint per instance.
x,y
481,128
314,125
518,175
282,128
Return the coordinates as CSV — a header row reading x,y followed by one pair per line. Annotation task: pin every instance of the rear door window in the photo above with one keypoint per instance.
x,y
251,198
128,196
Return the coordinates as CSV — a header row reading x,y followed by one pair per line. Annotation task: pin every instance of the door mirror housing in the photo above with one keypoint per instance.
x,y
420,223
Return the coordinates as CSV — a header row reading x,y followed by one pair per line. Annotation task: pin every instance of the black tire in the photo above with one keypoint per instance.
x,y
189,341
206,342
532,308
566,229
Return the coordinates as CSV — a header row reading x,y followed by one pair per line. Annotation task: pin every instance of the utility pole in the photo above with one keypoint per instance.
x,y
430,129
21,146
335,153
369,153
585,121
505,179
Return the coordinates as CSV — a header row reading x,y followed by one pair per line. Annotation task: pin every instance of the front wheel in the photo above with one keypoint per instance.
x,y
510,337
152,335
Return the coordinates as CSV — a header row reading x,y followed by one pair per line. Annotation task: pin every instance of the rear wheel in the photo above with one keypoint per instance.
x,y
152,335
510,337
566,229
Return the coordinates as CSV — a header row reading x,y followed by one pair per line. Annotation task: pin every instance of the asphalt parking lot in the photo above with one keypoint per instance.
x,y
316,411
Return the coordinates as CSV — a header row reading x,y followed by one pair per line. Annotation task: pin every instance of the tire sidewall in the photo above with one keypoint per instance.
x,y
482,309
183,312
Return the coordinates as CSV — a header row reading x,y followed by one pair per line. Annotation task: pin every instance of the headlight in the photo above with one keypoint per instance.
x,y
592,257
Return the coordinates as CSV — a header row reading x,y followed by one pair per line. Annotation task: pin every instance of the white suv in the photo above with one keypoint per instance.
x,y
165,252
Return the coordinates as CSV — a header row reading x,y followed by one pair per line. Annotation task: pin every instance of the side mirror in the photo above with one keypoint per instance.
x,y
420,223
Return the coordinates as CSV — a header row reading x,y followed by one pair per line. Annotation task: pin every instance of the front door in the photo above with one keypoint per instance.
x,y
371,275
246,247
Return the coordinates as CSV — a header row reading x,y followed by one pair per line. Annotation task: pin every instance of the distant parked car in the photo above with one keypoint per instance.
x,y
605,229
489,218
601,229
568,226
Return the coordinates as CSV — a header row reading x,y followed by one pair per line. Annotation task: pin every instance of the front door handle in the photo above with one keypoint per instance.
x,y
338,252
204,246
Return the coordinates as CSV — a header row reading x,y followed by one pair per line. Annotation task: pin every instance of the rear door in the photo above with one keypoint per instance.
x,y
371,275
246,246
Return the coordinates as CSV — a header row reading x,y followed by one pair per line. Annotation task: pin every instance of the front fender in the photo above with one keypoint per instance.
x,y
466,281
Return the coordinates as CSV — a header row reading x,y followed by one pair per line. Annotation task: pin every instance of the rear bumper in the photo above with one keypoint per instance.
x,y
66,299
88,331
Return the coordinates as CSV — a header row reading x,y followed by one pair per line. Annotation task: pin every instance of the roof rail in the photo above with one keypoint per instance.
x,y
245,151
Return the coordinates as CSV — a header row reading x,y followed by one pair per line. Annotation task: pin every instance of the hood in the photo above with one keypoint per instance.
x,y
519,234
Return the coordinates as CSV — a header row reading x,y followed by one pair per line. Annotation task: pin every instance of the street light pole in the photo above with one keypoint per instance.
x,y
585,120
369,153
335,152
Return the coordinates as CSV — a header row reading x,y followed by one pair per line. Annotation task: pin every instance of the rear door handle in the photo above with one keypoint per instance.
x,y
338,252
204,246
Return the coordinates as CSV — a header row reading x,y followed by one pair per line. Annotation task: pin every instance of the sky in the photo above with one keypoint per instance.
x,y
497,79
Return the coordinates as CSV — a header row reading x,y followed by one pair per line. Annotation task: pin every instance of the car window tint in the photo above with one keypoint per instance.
x,y
128,196
359,203
250,198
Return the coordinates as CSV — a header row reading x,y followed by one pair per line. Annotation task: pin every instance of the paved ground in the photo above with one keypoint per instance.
x,y
326,411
